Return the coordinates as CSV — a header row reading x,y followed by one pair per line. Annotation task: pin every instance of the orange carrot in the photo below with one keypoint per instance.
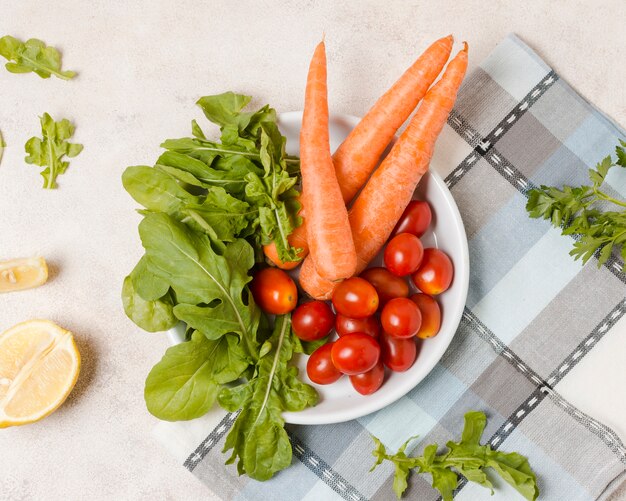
x,y
328,229
297,239
358,155
387,193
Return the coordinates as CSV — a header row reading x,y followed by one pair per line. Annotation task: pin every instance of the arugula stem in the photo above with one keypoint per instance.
x,y
51,177
49,70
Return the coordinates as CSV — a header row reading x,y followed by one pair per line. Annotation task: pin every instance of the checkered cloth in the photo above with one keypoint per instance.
x,y
532,314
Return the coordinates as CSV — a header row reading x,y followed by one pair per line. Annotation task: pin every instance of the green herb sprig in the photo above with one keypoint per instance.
x,y
32,56
49,150
467,458
578,212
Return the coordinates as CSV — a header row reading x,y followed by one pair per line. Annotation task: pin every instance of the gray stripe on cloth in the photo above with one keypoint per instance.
x,y
481,144
324,471
209,442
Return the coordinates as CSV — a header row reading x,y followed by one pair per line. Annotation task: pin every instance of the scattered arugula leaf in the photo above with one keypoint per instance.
x,y
184,384
258,439
466,457
32,56
49,150
2,146
577,210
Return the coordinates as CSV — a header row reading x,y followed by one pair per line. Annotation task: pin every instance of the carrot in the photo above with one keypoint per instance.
x,y
380,204
328,229
297,239
358,155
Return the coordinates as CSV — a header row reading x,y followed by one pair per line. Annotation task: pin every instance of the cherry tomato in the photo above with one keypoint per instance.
x,y
403,254
355,298
368,382
274,291
401,318
320,368
355,353
397,354
415,219
387,285
431,315
313,320
434,275
346,325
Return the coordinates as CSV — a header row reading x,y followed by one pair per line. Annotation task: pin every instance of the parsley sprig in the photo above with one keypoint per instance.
x,y
467,458
579,211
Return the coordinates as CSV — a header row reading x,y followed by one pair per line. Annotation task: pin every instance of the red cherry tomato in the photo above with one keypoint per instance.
x,y
397,354
401,318
313,320
434,275
355,353
403,254
415,219
387,285
274,291
320,368
368,382
431,315
346,325
355,298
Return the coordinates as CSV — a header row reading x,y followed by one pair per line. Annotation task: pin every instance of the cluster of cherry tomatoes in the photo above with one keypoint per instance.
x,y
376,319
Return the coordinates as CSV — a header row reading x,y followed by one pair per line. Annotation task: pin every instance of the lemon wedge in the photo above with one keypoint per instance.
x,y
39,365
19,274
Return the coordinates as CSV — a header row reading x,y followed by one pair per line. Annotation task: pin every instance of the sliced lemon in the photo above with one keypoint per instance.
x,y
39,365
20,274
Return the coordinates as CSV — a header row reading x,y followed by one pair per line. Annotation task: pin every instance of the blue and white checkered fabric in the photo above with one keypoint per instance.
x,y
532,313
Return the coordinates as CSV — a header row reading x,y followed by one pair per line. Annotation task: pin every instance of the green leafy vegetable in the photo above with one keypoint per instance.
x,y
258,439
2,146
466,457
50,150
208,209
184,384
32,55
578,210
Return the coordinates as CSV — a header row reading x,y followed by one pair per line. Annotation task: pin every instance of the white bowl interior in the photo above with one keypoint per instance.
x,y
339,401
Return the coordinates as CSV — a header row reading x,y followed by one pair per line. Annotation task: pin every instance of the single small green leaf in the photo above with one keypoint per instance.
x,y
445,481
475,423
152,316
258,440
225,109
50,150
32,56
185,383
620,151
2,146
147,284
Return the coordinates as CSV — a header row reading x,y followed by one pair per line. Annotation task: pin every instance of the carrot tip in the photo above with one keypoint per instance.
x,y
465,46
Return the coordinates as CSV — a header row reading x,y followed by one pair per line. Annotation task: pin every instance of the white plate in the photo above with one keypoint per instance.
x,y
339,401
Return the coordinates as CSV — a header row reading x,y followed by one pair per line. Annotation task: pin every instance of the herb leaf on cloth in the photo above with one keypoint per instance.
x,y
32,56
49,150
579,212
466,457
258,439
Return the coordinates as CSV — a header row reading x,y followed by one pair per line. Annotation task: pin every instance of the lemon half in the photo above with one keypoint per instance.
x,y
39,366
20,274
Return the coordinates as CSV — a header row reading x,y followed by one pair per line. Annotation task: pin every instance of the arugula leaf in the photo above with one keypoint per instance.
x,y
49,150
187,261
466,457
2,146
153,315
258,439
185,383
32,55
577,211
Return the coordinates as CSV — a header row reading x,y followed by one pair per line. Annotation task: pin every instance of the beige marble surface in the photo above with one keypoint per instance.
x,y
141,65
